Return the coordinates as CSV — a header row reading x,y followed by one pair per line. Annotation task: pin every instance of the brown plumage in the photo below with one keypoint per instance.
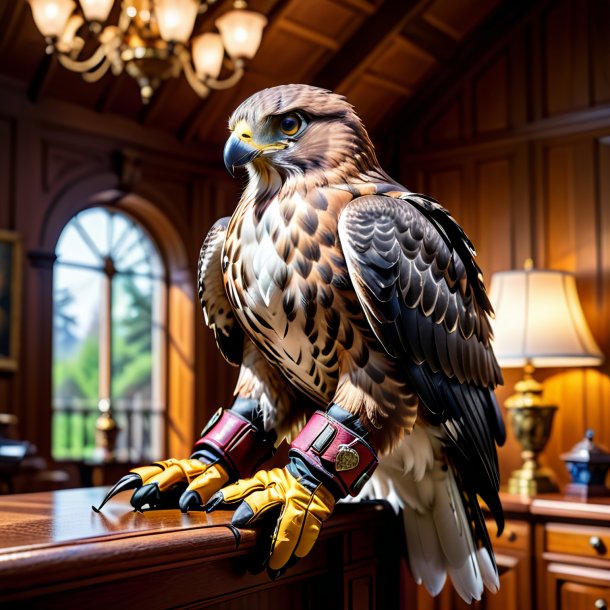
x,y
337,284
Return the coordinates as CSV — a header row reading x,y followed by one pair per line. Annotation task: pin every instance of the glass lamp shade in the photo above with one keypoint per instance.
x,y
51,16
96,10
208,52
176,18
539,320
241,32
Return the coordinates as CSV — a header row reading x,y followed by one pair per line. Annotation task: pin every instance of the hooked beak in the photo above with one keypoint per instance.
x,y
237,153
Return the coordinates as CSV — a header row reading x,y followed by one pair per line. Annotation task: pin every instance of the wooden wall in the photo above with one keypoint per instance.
x,y
56,159
516,144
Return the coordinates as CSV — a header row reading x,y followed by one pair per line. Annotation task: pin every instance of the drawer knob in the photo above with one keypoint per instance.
x,y
598,544
601,604
511,537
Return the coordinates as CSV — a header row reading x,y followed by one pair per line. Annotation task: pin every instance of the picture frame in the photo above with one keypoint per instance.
x,y
11,270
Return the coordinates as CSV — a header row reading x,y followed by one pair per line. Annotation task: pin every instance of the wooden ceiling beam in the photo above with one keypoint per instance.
x,y
364,6
11,18
377,81
309,35
491,33
437,44
349,62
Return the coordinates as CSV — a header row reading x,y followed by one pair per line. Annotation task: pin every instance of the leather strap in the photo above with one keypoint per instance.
x,y
236,442
341,454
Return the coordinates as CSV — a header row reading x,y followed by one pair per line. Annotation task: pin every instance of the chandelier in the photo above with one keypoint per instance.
x,y
150,41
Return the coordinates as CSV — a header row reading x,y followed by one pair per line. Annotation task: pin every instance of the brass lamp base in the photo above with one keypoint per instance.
x,y
530,481
531,421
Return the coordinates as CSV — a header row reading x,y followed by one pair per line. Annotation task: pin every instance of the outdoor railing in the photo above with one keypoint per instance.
x,y
141,425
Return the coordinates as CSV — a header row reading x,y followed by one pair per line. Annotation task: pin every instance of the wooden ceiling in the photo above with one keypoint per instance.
x,y
378,53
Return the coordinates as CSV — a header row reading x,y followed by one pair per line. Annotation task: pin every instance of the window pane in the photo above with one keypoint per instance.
x,y
131,338
121,228
134,252
76,318
74,249
96,223
137,336
136,373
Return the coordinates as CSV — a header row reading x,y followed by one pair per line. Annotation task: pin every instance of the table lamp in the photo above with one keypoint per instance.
x,y
538,322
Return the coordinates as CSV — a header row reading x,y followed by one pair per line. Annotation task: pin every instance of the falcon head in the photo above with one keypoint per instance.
x,y
294,130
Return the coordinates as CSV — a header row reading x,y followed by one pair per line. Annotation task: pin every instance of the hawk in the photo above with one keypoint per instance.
x,y
360,321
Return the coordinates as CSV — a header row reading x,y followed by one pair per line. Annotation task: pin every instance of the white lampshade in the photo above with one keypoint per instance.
x,y
207,55
51,16
241,32
96,10
176,18
539,320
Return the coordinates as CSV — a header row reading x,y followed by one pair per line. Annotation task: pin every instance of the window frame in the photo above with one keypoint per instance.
x,y
108,270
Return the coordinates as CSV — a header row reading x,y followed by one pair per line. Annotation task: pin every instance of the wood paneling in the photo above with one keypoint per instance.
x,y
491,97
564,29
7,149
531,178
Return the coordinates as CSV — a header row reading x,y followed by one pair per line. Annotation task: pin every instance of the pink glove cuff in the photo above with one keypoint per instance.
x,y
236,441
342,455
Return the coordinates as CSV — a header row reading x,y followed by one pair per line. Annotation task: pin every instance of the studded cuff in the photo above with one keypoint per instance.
x,y
236,442
336,448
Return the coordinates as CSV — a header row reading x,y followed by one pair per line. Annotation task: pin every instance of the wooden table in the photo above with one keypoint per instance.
x,y
55,552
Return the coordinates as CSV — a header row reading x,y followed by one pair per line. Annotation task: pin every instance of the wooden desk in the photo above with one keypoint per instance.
x,y
55,552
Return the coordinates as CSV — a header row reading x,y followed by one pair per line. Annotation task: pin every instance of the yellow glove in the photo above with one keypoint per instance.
x,y
205,479
154,484
302,511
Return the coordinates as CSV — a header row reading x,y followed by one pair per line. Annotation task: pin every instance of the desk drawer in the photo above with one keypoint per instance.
x,y
583,541
577,595
516,536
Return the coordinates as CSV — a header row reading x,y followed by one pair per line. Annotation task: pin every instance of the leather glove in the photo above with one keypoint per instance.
x,y
303,511
330,459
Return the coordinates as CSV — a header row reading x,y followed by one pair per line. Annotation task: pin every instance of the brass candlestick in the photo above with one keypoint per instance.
x,y
107,431
531,419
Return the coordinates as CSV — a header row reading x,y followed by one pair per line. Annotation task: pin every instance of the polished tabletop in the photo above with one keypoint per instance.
x,y
55,537
39,520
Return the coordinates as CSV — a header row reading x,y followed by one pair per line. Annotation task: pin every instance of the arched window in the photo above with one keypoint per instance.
x,y
109,321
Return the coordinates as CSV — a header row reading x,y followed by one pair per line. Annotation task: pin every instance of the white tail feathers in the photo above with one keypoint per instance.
x,y
439,539
425,554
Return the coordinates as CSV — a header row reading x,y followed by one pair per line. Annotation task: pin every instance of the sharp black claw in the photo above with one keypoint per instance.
x,y
147,494
189,500
242,515
213,502
129,481
275,574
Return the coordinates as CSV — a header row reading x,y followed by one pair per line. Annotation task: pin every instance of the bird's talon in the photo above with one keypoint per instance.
x,y
242,515
190,500
274,574
213,502
129,481
147,494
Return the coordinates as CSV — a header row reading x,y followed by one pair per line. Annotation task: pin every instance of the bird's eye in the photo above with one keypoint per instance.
x,y
290,124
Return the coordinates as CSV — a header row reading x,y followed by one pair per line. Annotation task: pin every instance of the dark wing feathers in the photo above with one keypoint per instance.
x,y
402,263
217,310
414,273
